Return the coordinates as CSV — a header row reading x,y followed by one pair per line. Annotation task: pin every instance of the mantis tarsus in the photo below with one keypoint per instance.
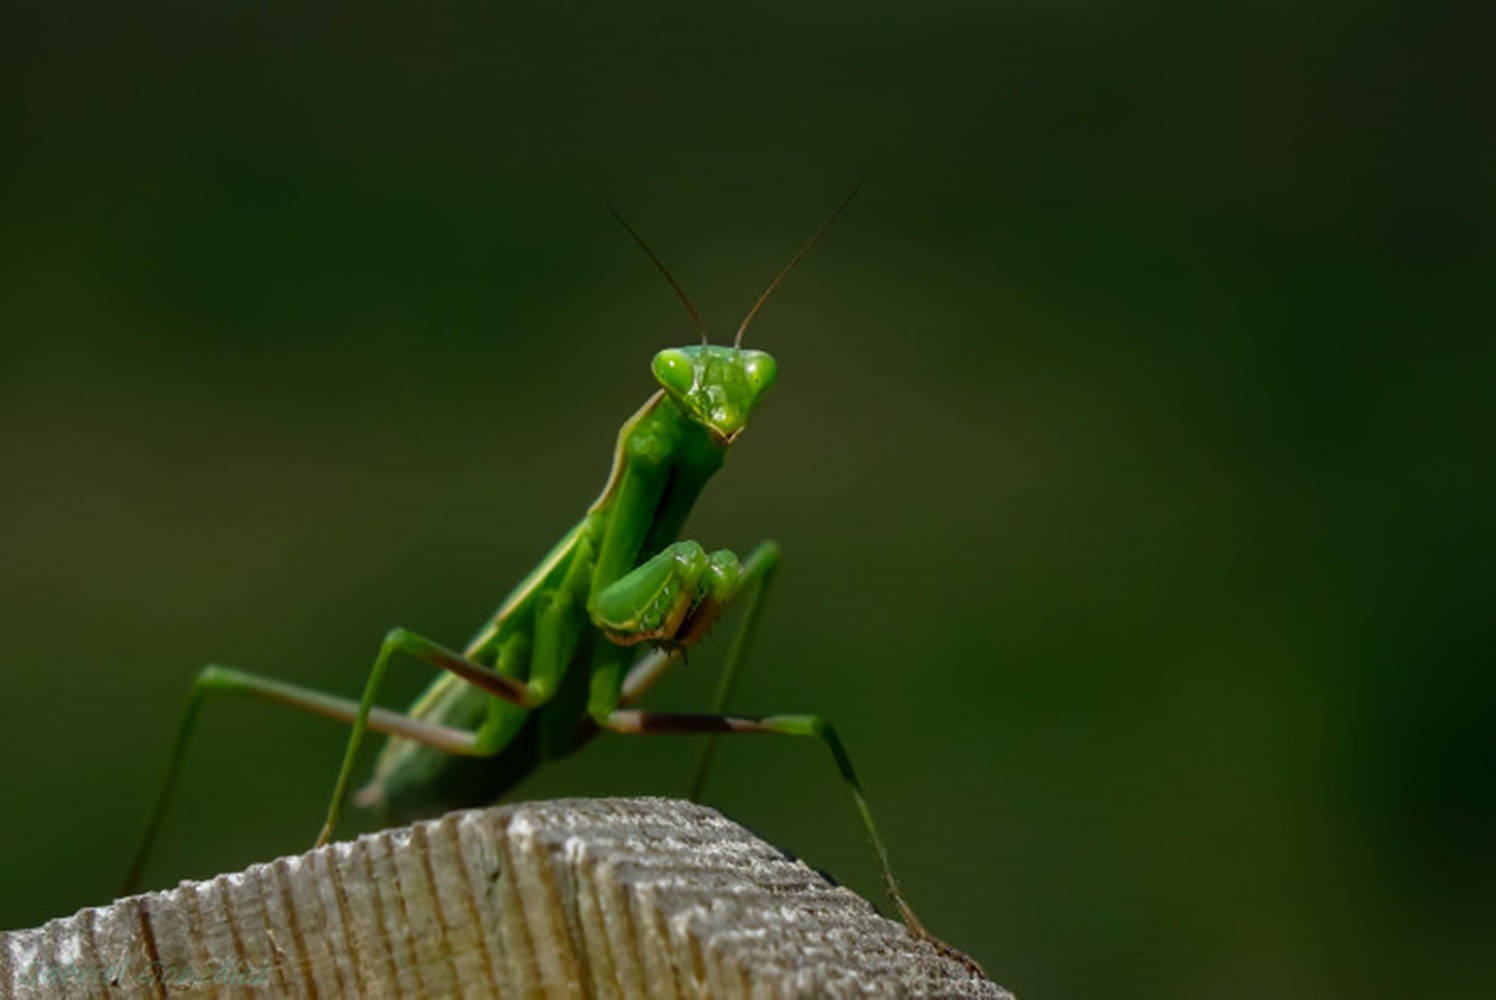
x,y
556,664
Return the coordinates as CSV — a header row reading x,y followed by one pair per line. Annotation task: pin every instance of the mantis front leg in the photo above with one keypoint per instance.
x,y
674,600
752,587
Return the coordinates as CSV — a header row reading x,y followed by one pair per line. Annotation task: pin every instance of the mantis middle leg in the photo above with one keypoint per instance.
x,y
633,721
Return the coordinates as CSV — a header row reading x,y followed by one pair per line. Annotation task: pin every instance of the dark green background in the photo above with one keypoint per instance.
x,y
1131,452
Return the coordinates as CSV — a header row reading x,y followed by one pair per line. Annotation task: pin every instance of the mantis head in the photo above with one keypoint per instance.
x,y
718,386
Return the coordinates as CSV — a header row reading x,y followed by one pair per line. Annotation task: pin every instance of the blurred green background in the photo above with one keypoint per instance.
x,y
1131,453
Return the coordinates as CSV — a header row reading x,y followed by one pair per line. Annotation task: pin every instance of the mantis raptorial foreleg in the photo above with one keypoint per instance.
x,y
751,587
757,568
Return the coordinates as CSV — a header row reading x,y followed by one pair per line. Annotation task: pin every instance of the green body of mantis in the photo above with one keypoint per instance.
x,y
561,661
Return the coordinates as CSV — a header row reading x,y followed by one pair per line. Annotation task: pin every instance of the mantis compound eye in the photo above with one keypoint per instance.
x,y
759,371
673,370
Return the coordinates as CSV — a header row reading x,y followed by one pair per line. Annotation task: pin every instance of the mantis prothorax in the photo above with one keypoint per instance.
x,y
560,661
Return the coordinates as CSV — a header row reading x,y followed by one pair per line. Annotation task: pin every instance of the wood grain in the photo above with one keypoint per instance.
x,y
578,898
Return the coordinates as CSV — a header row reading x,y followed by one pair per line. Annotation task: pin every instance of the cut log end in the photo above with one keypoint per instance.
x,y
641,897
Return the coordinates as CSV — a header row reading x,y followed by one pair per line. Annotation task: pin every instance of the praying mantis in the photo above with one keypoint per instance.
x,y
609,610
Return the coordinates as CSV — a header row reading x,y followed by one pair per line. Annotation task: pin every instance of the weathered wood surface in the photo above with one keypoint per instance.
x,y
568,898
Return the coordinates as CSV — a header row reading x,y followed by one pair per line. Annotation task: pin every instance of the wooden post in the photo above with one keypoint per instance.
x,y
639,897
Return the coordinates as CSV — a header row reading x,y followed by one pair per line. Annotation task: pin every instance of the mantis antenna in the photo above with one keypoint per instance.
x,y
681,292
743,328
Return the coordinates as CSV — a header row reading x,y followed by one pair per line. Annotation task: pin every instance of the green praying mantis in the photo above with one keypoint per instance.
x,y
560,662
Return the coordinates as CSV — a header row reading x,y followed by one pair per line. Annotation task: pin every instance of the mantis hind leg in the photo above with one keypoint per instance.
x,y
214,679
361,715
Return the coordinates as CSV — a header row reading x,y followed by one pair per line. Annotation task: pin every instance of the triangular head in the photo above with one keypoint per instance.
x,y
717,386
